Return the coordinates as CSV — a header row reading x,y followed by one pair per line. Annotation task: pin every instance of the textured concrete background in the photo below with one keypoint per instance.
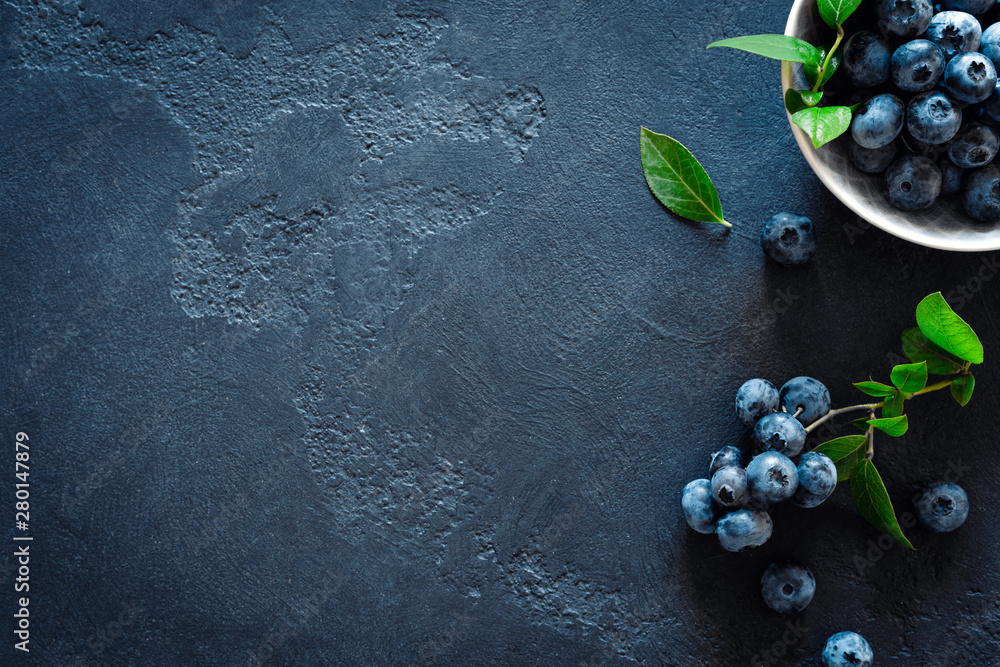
x,y
349,333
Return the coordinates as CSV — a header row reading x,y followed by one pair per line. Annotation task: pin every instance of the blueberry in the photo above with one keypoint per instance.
x,y
787,587
866,59
933,118
788,238
970,77
872,160
817,479
917,66
942,506
754,399
951,177
878,121
727,456
991,106
780,432
913,182
954,32
970,6
933,152
699,510
975,145
847,649
903,18
989,45
729,487
982,194
743,529
806,393
772,477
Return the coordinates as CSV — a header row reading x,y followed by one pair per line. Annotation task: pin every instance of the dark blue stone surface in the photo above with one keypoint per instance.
x,y
349,333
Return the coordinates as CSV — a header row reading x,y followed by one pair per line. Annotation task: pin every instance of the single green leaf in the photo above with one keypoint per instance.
x,y
940,323
797,100
961,388
678,180
894,426
835,12
778,47
917,347
861,423
873,388
910,377
892,406
872,500
845,452
812,71
823,124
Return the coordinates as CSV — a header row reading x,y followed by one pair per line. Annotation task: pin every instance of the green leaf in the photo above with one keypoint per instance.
x,y
812,71
845,453
940,323
910,377
961,388
861,423
917,347
778,47
823,124
876,389
893,405
872,500
797,100
894,426
678,180
835,12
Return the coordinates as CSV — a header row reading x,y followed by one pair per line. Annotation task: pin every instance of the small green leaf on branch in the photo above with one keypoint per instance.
x,y
961,388
872,500
797,100
943,326
910,378
894,426
778,47
845,452
876,389
823,124
892,406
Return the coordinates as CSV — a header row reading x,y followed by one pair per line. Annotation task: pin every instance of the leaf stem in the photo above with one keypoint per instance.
x,y
829,56
838,411
932,387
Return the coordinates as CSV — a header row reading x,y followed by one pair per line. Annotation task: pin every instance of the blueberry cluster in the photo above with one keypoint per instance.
x,y
734,502
931,128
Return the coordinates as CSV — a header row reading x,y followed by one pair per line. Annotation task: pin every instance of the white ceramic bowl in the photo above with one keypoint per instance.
x,y
944,225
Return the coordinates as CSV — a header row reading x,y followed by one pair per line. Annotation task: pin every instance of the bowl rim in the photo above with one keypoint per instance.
x,y
836,186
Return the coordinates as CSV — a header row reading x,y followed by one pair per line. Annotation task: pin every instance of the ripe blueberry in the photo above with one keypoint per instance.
x,y
872,160
806,393
847,649
951,177
991,106
787,587
954,32
878,121
903,18
917,66
989,45
817,479
788,238
913,182
744,529
970,6
975,145
970,77
699,510
943,506
729,487
982,194
754,399
933,118
866,59
772,477
780,432
727,456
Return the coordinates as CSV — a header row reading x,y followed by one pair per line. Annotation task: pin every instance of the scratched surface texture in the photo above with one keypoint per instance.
x,y
349,333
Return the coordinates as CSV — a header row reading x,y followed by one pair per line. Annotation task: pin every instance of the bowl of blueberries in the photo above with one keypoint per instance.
x,y
920,158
